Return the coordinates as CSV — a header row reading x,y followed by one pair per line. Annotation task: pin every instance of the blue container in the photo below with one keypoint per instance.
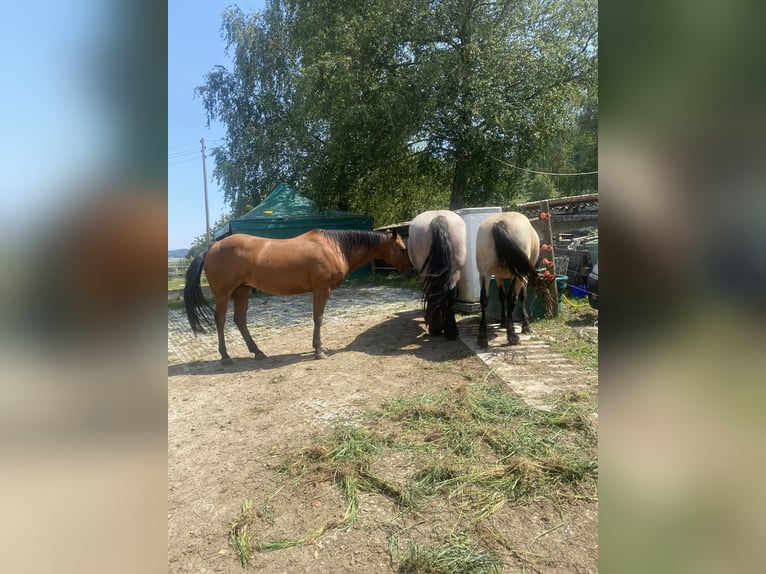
x,y
578,291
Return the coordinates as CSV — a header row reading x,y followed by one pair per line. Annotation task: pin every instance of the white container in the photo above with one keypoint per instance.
x,y
469,290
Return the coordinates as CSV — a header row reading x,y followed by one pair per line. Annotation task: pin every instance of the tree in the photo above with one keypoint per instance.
x,y
199,244
573,150
541,188
391,107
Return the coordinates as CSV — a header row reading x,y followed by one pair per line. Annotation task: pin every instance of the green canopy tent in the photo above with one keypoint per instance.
x,y
286,213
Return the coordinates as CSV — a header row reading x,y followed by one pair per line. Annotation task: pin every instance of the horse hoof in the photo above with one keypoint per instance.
x,y
482,343
320,355
514,341
227,361
526,330
259,355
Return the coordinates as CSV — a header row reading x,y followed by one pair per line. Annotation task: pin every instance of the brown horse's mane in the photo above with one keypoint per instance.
x,y
351,239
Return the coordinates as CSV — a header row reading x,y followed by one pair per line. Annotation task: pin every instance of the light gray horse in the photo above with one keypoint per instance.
x,y
437,249
507,246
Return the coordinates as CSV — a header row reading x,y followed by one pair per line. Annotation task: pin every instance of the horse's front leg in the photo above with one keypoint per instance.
x,y
513,338
241,299
482,339
450,324
501,296
320,300
525,328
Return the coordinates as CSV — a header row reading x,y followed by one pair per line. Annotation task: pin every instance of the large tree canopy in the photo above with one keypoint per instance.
x,y
390,107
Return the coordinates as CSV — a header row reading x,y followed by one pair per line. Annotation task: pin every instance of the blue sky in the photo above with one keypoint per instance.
x,y
56,128
194,47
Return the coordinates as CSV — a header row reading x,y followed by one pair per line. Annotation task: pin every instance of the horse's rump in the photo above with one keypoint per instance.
x,y
437,247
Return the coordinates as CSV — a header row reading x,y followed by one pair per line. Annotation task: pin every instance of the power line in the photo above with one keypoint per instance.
x,y
184,161
182,153
172,147
182,145
540,172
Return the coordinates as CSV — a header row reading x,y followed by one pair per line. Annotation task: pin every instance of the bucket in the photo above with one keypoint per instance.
x,y
578,291
535,303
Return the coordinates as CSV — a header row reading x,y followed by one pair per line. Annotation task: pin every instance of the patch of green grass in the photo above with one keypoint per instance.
x,y
351,443
455,556
567,334
240,534
290,542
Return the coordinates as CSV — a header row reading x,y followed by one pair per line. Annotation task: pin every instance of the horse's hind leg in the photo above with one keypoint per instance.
x,y
241,300
450,324
221,306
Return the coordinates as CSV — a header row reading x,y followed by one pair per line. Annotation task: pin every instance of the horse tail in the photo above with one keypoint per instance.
x,y
198,310
438,268
511,256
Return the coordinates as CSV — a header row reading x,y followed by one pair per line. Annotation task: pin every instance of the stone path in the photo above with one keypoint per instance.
x,y
532,369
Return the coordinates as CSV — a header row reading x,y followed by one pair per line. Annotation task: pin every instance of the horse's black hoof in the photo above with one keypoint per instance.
x,y
513,341
482,342
227,361
259,355
526,330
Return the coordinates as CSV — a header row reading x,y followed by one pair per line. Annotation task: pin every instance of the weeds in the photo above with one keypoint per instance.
x,y
566,335
240,534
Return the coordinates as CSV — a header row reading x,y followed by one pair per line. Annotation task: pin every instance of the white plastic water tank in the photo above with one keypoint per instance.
x,y
469,289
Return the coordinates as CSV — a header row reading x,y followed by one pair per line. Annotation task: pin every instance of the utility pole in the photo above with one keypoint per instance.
x,y
204,176
548,238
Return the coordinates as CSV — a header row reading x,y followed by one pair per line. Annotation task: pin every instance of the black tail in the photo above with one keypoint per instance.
x,y
511,256
198,310
437,270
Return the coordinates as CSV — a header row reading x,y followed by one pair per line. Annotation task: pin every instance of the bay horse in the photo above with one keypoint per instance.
x,y
508,247
317,261
437,249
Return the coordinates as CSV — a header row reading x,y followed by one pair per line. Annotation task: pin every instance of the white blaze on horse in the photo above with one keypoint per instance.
x,y
437,248
508,247
315,262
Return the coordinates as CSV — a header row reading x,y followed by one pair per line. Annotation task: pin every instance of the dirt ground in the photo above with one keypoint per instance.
x,y
230,426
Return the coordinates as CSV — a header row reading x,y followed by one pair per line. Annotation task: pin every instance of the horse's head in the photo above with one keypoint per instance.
x,y
394,252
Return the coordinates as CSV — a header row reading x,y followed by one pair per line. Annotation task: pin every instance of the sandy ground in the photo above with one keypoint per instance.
x,y
228,427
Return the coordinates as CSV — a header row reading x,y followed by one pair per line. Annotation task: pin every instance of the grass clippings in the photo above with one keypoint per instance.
x,y
469,453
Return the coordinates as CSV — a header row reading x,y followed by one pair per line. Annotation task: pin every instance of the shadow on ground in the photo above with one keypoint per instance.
x,y
405,333
402,334
239,364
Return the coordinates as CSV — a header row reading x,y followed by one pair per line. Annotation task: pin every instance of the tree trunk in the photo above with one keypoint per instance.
x,y
459,180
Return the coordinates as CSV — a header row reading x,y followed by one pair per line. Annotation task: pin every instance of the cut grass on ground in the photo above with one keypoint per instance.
x,y
467,454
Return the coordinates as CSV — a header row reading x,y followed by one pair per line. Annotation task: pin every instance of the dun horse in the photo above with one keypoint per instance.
x,y
507,246
316,262
437,248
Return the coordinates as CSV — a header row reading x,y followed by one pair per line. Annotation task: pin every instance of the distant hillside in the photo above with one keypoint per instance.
x,y
177,253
